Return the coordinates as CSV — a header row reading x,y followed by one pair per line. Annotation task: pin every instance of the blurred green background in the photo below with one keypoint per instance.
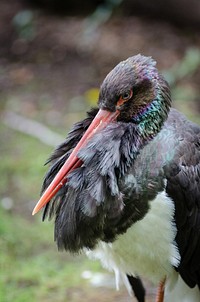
x,y
53,57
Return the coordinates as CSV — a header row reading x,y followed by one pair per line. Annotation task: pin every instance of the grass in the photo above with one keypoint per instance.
x,y
31,268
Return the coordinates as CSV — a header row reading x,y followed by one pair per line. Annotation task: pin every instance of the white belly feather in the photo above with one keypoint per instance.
x,y
147,248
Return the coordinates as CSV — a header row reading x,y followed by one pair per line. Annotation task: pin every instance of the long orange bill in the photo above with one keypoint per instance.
x,y
100,121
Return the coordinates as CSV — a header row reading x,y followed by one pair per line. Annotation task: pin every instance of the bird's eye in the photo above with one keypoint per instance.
x,y
127,95
124,98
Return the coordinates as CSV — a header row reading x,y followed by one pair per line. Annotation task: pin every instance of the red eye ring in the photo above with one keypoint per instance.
x,y
127,95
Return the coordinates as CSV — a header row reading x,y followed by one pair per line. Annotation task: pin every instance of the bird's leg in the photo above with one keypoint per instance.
x,y
160,292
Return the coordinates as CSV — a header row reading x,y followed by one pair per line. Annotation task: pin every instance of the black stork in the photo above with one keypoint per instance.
x,y
125,184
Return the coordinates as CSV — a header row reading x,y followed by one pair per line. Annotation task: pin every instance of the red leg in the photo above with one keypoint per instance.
x,y
160,292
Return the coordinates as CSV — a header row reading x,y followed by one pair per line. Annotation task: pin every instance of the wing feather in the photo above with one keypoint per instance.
x,y
183,186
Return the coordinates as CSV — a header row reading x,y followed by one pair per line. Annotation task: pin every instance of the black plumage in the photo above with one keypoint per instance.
x,y
149,149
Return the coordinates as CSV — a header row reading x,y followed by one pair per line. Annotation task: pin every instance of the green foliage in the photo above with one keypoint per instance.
x,y
23,22
101,15
186,67
184,93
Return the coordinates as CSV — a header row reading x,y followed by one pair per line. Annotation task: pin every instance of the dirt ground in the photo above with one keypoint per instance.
x,y
69,55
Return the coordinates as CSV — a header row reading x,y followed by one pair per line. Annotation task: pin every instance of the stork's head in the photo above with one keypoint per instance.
x,y
136,90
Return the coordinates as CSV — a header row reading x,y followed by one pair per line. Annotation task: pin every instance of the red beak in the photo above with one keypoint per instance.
x,y
100,121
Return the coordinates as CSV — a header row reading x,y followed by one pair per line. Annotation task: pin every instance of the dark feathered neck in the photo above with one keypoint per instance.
x,y
151,117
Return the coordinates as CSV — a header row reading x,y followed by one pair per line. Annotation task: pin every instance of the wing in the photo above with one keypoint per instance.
x,y
61,153
183,186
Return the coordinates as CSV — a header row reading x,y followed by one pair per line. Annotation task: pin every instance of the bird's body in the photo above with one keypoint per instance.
x,y
133,197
